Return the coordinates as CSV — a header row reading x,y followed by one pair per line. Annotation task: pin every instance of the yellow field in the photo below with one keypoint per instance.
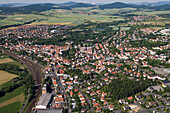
x,y
19,18
5,76
47,23
5,60
12,100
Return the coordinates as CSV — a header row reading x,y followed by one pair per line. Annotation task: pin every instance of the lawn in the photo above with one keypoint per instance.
x,y
12,94
11,108
5,76
5,60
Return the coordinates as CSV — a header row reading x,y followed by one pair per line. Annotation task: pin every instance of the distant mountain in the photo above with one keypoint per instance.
x,y
124,5
29,8
14,4
116,5
155,3
69,3
75,6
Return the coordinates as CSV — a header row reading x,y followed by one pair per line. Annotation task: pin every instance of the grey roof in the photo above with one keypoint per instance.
x,y
44,99
157,87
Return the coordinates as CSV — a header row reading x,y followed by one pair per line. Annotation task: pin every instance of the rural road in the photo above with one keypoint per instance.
x,y
23,107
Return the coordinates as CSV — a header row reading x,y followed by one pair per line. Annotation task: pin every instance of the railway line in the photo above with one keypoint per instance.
x,y
35,70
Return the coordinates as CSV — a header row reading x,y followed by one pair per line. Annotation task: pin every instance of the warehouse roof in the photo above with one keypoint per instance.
x,y
44,99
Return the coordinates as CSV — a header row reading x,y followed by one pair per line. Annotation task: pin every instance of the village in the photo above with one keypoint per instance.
x,y
76,84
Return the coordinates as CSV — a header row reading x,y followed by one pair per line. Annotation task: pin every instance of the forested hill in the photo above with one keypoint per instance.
x,y
124,5
40,7
47,6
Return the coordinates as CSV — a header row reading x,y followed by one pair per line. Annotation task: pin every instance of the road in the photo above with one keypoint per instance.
x,y
35,72
26,102
88,101
62,90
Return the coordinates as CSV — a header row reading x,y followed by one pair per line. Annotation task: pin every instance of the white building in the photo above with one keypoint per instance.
x,y
43,101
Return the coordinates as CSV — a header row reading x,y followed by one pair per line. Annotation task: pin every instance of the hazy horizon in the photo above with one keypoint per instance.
x,y
87,1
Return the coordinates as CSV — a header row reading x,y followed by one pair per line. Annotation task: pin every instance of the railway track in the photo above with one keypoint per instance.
x,y
35,70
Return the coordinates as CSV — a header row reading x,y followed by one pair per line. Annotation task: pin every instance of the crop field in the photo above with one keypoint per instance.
x,y
59,16
162,23
114,27
5,76
19,19
12,100
5,60
150,13
12,94
11,108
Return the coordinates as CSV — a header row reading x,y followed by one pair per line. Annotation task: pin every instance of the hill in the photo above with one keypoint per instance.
x,y
75,6
155,3
124,5
69,3
28,9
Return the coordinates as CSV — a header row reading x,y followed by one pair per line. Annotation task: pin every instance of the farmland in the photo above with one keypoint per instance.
x,y
5,76
12,100
5,60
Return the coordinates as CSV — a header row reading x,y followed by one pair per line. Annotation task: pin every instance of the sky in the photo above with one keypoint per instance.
x,y
83,1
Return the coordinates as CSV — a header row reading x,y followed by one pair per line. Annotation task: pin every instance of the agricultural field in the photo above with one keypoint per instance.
x,y
14,108
150,12
19,19
12,94
59,16
5,77
12,100
5,60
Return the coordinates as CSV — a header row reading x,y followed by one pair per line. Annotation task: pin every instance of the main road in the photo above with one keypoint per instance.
x,y
35,70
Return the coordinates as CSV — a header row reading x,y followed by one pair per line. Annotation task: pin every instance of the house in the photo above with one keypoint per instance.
x,y
111,107
157,96
130,98
102,99
58,100
138,97
152,103
126,108
165,83
92,93
123,101
105,103
98,92
104,94
98,109
43,101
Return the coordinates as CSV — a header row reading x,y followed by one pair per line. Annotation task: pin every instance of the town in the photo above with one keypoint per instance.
x,y
77,77
85,57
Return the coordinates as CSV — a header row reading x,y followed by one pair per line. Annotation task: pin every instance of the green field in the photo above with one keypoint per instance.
x,y
150,12
125,28
62,16
11,108
12,94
